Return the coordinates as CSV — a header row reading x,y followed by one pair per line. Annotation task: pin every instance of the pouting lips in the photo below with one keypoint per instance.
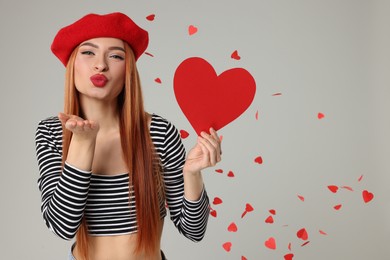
x,y
99,80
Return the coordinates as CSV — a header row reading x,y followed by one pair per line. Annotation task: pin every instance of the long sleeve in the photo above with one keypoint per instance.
x,y
189,217
64,190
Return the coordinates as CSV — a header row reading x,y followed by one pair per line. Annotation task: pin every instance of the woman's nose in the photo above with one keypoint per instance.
x,y
100,65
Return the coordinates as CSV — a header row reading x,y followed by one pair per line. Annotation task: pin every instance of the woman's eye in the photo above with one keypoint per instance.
x,y
87,53
117,57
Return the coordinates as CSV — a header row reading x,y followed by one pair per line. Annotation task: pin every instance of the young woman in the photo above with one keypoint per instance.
x,y
108,170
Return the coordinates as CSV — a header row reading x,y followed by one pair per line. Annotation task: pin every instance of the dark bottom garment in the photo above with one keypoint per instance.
x,y
71,256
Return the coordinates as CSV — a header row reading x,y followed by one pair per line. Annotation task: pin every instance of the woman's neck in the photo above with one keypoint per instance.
x,y
105,113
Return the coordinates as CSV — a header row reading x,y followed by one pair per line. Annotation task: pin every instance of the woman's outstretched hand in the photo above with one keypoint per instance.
x,y
79,126
206,153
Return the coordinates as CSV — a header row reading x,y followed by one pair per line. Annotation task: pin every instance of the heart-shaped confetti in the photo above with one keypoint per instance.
x,y
248,208
213,213
302,234
158,80
219,170
301,197
217,201
367,196
149,54
347,188
211,100
235,55
323,233
270,243
269,220
338,207
259,160
257,115
289,256
232,227
230,174
360,178
272,211
304,244
333,188
320,115
150,17
227,246
277,94
184,134
289,246
192,30
243,258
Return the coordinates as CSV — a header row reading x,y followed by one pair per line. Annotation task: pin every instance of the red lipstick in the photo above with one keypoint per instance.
x,y
99,80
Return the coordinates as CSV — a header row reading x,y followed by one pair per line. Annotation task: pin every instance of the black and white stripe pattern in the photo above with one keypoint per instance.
x,y
69,193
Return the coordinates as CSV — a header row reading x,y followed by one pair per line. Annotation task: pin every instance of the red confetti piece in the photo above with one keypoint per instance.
x,y
192,30
243,258
217,201
337,207
248,208
289,246
323,233
333,188
269,220
230,174
289,257
227,246
302,234
277,94
259,160
213,213
149,54
184,134
272,211
367,196
304,244
158,80
235,55
232,227
219,170
347,188
150,17
320,115
270,243
257,115
360,178
301,197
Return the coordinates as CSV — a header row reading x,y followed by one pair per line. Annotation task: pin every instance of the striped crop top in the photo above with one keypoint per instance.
x,y
69,193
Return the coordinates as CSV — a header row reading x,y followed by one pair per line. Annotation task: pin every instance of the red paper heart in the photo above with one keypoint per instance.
x,y
367,196
333,188
232,227
338,207
230,174
219,170
269,220
259,160
217,201
213,213
235,55
248,207
211,100
227,246
192,30
302,234
270,243
288,256
320,115
184,134
150,17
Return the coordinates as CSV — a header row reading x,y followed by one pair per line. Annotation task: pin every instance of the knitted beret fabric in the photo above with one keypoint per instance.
x,y
115,25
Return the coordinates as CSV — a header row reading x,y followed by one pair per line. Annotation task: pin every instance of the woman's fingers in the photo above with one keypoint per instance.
x,y
211,145
77,124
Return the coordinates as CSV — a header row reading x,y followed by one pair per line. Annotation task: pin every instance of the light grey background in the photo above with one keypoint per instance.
x,y
323,56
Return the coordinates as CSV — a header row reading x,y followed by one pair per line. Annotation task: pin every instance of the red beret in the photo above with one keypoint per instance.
x,y
115,25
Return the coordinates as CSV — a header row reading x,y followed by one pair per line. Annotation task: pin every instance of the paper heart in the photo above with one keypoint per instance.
x,y
288,256
248,207
235,55
259,160
217,201
230,174
367,196
227,246
150,17
232,227
270,243
333,188
302,234
211,100
192,30
269,220
184,134
213,213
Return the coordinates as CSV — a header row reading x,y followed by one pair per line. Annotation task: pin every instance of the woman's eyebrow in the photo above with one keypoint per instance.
x,y
97,47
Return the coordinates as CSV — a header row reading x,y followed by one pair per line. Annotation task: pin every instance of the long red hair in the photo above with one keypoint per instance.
x,y
138,152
